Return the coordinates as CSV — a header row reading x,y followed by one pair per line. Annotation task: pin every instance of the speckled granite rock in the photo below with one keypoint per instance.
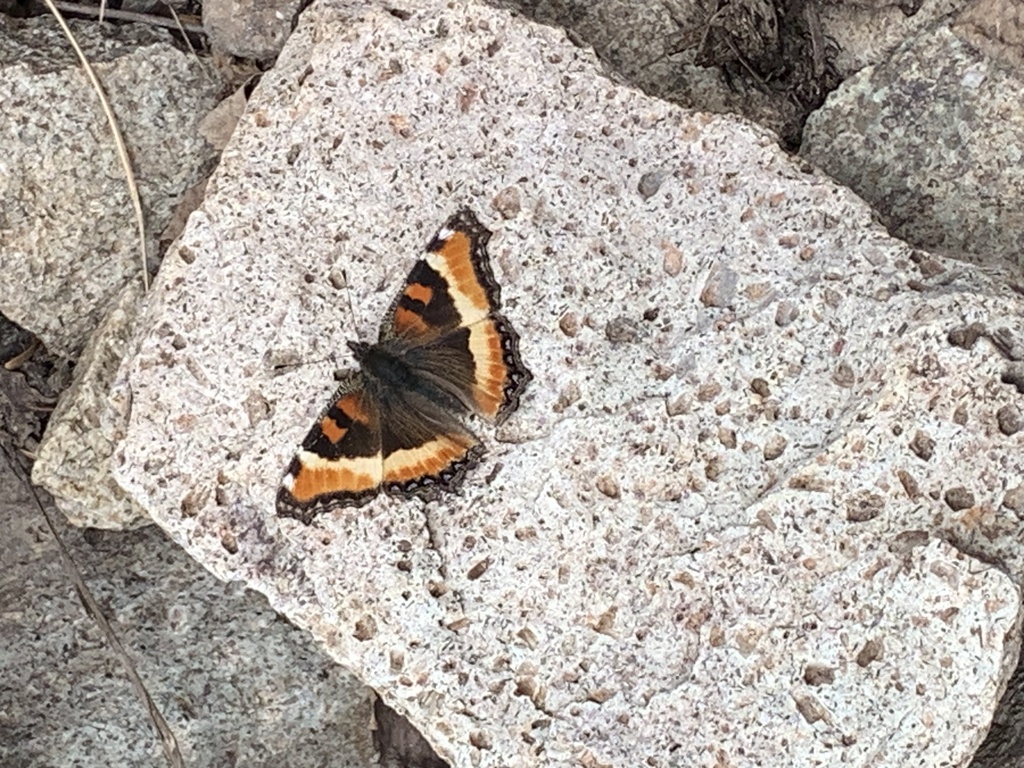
x,y
675,51
728,522
73,461
236,684
69,240
249,29
878,133
867,32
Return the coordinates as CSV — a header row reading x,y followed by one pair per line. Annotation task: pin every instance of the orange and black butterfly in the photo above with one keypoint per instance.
x,y
394,424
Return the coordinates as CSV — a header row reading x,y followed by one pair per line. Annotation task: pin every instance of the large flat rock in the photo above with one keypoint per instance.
x,y
932,136
746,512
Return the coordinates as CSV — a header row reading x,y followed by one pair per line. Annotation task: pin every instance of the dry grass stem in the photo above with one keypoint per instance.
x,y
122,151
167,739
185,27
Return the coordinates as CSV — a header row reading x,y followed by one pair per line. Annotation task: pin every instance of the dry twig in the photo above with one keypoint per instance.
x,y
167,739
191,27
122,151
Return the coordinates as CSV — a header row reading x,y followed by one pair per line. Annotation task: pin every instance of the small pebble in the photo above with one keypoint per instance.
x,y
1009,419
959,498
922,445
650,183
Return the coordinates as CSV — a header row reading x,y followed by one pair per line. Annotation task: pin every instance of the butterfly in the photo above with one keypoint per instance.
x,y
395,424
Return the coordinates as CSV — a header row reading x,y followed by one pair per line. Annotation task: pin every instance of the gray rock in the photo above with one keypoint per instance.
x,y
251,29
930,138
69,239
680,612
867,32
73,461
235,683
696,54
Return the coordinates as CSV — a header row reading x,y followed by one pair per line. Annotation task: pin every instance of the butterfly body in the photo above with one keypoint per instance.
x,y
394,424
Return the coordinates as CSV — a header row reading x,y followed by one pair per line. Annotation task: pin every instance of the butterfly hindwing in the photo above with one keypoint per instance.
x,y
479,365
425,449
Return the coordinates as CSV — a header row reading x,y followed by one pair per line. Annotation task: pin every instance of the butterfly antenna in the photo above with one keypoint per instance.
x,y
348,294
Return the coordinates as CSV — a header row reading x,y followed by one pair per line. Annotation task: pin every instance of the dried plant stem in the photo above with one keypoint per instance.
x,y
167,739
122,151
191,27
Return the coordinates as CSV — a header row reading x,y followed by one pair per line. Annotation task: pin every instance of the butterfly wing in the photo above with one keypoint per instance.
x,y
424,447
340,463
447,326
399,431
478,365
452,287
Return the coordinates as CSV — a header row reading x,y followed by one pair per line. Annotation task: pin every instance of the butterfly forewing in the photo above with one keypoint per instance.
x,y
424,309
452,287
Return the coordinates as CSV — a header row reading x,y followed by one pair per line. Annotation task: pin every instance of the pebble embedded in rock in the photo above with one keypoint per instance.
x,y
811,709
819,674
760,386
1014,500
622,330
1014,375
709,391
922,445
843,376
479,569
775,447
713,468
677,405
608,486
909,483
507,202
966,336
673,259
1009,420
907,541
786,313
1007,342
864,507
960,415
569,395
650,183
720,288
959,498
869,652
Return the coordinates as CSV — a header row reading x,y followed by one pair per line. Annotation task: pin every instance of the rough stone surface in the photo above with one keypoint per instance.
x,y
69,239
73,461
251,29
684,618
237,684
1004,745
878,134
867,32
995,27
662,47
